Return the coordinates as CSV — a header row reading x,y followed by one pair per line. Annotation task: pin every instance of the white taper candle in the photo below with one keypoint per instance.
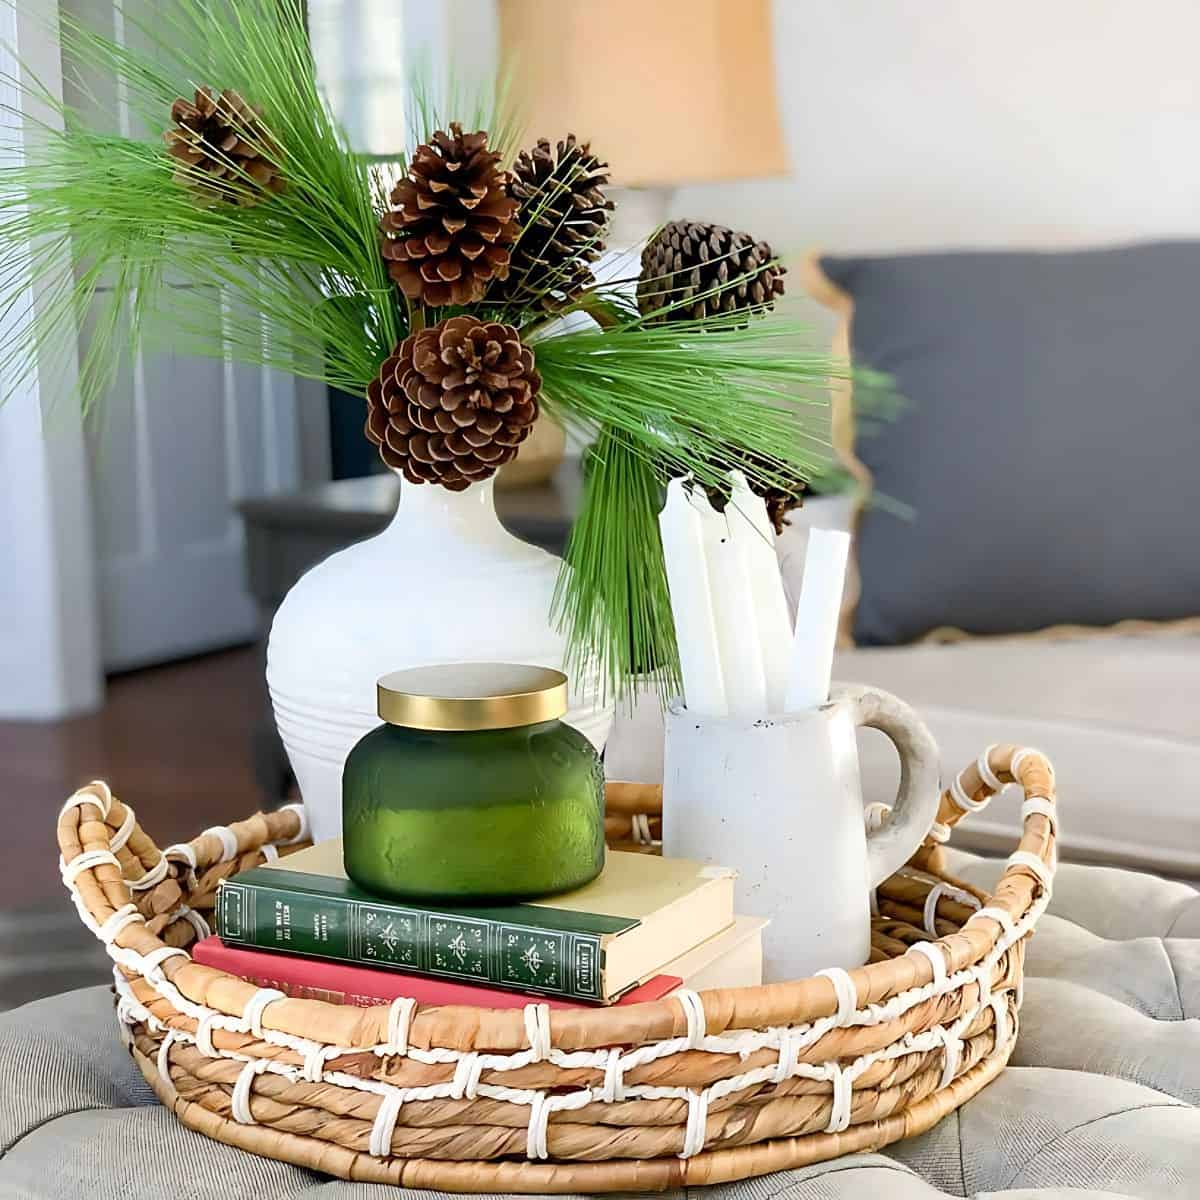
x,y
733,611
817,615
691,603
752,531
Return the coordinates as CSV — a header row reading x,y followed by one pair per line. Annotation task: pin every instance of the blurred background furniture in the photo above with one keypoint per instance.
x,y
1048,445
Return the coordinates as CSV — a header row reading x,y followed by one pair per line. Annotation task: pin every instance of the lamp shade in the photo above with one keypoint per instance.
x,y
668,91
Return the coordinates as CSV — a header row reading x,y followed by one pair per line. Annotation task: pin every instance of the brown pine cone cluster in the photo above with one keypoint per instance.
x,y
563,217
451,222
223,149
454,402
779,501
699,270
779,504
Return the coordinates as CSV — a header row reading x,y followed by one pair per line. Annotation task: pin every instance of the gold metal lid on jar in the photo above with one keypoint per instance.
x,y
463,696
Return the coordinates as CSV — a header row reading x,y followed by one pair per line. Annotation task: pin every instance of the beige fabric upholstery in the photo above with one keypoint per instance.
x,y
1119,717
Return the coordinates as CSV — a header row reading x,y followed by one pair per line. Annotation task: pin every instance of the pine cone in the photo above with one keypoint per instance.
x,y
779,501
454,402
687,260
448,233
223,149
563,218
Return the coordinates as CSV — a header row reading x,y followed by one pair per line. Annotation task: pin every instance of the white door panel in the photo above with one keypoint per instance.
x,y
176,442
173,446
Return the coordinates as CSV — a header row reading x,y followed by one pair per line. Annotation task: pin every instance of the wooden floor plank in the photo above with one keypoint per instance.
x,y
173,741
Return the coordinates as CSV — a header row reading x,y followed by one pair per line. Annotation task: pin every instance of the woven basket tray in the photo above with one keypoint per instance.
x,y
690,1089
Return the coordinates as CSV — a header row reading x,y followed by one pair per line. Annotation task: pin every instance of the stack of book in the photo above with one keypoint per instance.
x,y
644,927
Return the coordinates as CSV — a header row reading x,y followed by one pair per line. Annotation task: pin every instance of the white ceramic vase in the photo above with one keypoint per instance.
x,y
444,582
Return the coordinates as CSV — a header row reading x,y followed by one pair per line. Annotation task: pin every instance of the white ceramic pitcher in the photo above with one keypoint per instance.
x,y
779,800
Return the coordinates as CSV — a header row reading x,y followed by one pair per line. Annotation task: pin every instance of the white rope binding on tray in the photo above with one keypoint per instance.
x,y
937,959
385,1124
990,779
535,1136
614,1077
164,1057
993,912
1020,756
790,1042
1033,864
103,802
155,875
786,1065
697,1124
953,1048
399,1017
155,959
252,1014
194,919
844,989
639,830
999,1007
465,1084
123,834
537,1030
929,916
185,851
1040,806
227,838
301,834
85,862
940,832
693,1011
240,1100
958,794
843,1099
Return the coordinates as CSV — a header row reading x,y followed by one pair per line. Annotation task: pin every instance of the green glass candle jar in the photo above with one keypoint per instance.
x,y
473,789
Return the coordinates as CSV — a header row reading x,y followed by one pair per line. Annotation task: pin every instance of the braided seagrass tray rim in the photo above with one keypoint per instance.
x,y
691,1089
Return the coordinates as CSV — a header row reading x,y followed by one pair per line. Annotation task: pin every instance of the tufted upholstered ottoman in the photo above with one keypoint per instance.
x,y
1102,1094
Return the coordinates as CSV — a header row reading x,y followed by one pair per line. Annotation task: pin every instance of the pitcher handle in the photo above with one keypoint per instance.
x,y
896,840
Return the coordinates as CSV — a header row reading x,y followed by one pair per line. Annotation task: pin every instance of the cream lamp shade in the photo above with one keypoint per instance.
x,y
668,91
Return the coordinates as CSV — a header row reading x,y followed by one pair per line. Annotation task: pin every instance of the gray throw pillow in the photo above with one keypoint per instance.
x,y
1050,448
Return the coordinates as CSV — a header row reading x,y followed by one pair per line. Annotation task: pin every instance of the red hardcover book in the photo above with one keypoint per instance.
x,y
339,983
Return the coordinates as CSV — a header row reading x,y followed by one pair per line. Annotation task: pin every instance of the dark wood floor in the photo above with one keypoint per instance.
x,y
174,742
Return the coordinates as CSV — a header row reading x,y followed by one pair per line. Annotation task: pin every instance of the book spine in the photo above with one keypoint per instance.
x,y
520,957
304,991
345,983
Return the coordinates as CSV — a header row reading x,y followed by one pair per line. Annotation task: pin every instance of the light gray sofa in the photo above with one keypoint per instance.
x,y
1046,451
1119,716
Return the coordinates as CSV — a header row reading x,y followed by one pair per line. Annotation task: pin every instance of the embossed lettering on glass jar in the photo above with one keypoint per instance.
x,y
473,789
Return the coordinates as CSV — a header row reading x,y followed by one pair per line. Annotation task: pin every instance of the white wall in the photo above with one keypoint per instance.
x,y
365,48
935,123
49,653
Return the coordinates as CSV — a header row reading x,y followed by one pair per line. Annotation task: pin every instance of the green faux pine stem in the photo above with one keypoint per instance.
x,y
297,283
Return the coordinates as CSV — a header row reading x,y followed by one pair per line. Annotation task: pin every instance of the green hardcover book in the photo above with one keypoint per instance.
x,y
594,944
